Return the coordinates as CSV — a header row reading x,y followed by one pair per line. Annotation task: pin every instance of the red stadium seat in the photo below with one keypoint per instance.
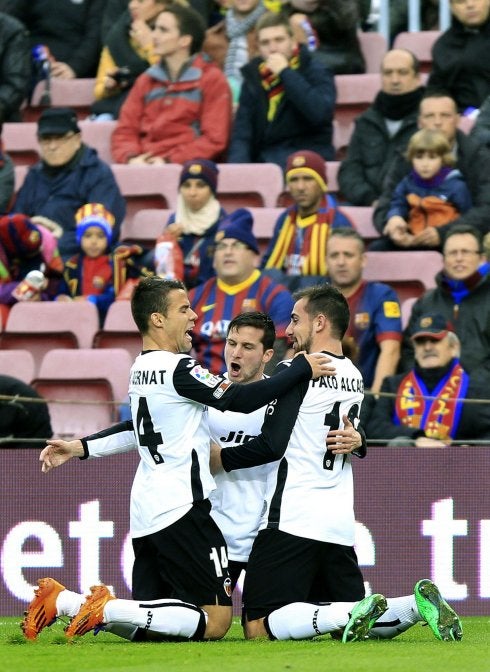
x,y
409,273
354,95
362,218
419,43
83,388
373,47
146,187
97,134
40,326
145,226
119,330
75,93
243,185
406,307
18,364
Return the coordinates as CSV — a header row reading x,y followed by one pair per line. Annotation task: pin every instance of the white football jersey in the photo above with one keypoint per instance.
x,y
310,494
239,499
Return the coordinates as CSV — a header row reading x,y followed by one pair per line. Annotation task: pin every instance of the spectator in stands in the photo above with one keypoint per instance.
x,y
329,28
460,55
21,419
433,194
481,128
438,111
95,274
15,67
375,325
69,175
30,264
70,30
126,54
286,102
237,288
462,296
426,406
240,21
179,109
197,217
7,180
385,127
296,253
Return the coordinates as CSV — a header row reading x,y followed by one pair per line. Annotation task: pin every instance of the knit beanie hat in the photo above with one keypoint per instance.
x,y
306,161
19,236
94,214
201,169
238,225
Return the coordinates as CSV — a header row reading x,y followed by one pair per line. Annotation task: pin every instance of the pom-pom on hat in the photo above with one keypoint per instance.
x,y
238,225
309,162
19,236
57,121
432,325
94,214
201,169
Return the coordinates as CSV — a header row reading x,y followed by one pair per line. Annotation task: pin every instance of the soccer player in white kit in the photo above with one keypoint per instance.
x,y
180,553
304,553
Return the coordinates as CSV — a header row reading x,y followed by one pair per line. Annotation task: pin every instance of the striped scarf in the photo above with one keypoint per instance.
x,y
300,248
439,417
273,84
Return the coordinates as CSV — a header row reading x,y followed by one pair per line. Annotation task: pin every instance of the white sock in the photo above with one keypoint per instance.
x,y
173,618
68,603
401,614
124,630
302,620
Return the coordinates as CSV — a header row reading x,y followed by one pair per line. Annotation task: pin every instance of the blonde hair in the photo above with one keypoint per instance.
x,y
434,142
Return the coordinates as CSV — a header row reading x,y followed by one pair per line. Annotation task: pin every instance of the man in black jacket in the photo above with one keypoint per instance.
x,y
460,55
426,406
438,111
15,67
462,296
383,129
286,102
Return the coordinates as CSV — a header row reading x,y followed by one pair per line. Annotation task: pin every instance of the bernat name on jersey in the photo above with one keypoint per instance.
x,y
148,377
343,383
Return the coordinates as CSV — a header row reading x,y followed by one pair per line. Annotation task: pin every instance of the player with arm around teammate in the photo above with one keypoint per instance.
x,y
304,556
180,571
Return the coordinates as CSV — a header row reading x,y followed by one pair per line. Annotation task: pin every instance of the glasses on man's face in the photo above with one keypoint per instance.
x,y
452,254
56,138
235,245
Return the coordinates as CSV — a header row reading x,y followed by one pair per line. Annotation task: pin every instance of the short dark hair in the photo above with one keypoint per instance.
x,y
273,19
151,295
328,301
347,232
437,93
190,22
259,321
458,229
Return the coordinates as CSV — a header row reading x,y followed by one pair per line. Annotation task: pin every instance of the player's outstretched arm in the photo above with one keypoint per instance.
x,y
58,451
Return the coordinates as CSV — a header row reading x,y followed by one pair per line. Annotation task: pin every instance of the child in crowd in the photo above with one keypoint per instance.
x,y
94,274
30,264
434,193
195,221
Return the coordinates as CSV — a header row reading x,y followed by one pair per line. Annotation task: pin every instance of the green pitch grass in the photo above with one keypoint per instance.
x,y
415,651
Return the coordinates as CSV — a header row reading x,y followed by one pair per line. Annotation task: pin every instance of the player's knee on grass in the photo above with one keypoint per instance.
x,y
219,621
255,629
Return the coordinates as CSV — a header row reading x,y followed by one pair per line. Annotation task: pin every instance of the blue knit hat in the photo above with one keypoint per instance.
x,y
238,225
201,169
94,214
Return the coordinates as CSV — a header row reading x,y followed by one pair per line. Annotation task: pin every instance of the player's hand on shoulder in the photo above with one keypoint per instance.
x,y
58,451
320,364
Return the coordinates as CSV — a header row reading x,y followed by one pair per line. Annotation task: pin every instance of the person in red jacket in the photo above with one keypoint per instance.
x,y
179,109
